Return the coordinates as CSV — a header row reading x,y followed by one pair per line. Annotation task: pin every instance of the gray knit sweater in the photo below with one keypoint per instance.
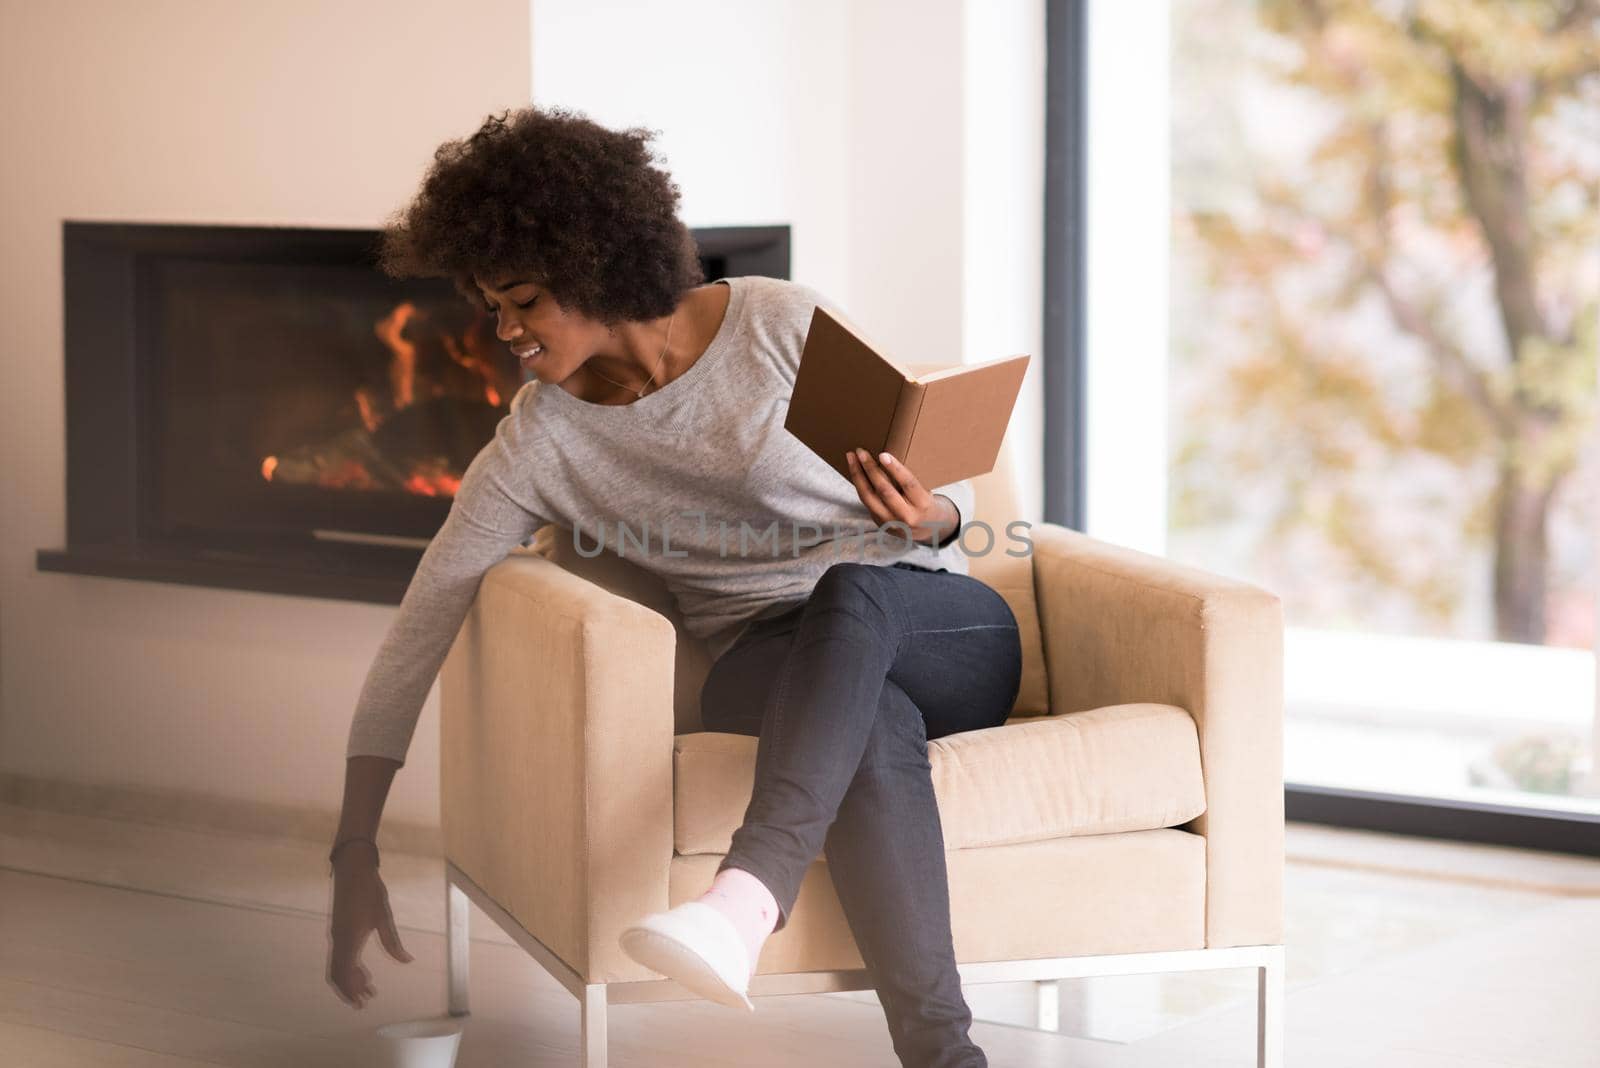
x,y
698,482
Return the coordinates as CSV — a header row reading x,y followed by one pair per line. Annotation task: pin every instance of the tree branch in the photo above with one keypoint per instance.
x,y
1491,139
1445,353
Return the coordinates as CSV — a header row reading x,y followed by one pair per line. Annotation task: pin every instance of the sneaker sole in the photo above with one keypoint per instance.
x,y
682,965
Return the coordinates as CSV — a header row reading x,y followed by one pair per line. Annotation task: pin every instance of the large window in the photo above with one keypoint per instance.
x,y
1343,278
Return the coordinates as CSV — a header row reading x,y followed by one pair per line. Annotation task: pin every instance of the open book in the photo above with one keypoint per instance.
x,y
943,421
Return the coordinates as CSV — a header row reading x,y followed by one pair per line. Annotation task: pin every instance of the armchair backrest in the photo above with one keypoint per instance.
x,y
997,494
999,504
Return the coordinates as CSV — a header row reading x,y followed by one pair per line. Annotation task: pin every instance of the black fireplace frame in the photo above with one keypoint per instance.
x,y
104,381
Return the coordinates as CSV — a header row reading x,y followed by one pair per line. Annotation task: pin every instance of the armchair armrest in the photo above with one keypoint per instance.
x,y
1121,626
556,758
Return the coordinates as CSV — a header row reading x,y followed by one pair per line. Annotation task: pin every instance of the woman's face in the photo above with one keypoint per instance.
x,y
547,340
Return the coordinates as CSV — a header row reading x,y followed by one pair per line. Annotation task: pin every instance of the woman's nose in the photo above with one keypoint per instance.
x,y
507,330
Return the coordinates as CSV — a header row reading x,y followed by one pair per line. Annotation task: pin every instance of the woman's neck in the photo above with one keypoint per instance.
x,y
607,378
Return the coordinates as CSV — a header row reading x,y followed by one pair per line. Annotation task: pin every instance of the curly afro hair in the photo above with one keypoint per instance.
x,y
551,194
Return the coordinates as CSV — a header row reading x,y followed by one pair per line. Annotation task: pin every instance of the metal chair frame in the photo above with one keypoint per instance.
x,y
593,998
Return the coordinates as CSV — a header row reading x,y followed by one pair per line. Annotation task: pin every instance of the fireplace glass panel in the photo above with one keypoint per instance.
x,y
286,398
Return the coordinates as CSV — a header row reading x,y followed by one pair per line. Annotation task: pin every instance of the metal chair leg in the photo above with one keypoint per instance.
x,y
1047,1007
457,910
1269,1012
592,1040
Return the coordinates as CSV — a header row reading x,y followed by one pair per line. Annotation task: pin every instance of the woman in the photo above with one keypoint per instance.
x,y
656,403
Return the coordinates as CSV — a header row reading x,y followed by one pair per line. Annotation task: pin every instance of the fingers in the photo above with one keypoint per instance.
x,y
891,494
901,496
911,487
864,490
389,937
347,976
353,984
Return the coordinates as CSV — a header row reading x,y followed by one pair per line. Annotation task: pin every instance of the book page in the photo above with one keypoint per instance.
x,y
918,372
932,372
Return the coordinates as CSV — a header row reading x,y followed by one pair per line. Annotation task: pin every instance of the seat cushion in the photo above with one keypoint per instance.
x,y
1138,892
1120,768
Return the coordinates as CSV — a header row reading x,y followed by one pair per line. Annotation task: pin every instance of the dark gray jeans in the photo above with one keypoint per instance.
x,y
844,691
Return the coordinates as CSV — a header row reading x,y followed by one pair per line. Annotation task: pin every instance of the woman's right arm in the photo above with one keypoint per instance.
x,y
360,899
366,788
397,684
487,519
484,524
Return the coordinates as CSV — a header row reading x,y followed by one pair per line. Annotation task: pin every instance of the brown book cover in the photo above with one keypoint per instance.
x,y
943,421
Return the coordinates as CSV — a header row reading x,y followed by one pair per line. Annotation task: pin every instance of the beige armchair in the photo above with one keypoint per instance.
x,y
1127,818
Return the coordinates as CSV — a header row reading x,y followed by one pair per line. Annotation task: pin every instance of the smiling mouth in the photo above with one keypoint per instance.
x,y
528,355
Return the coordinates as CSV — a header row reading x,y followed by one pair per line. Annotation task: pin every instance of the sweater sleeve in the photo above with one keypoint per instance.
x,y
964,498
485,523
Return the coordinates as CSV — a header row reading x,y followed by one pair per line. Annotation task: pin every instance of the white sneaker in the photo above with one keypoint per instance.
x,y
696,946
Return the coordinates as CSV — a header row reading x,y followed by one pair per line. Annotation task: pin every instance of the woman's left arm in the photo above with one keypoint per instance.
x,y
892,493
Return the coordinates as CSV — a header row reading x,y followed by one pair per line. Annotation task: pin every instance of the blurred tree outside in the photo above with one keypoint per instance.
x,y
1386,257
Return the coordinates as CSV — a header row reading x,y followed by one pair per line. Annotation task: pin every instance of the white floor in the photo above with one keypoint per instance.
x,y
142,946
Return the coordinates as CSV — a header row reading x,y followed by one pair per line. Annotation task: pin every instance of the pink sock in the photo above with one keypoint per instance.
x,y
746,901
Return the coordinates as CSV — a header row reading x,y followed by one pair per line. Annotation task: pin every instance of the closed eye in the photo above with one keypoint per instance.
x,y
494,309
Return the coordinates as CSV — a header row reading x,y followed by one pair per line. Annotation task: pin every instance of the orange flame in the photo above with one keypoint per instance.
x,y
403,368
428,478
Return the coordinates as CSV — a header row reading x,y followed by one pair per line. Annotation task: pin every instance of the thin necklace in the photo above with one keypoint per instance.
x,y
661,359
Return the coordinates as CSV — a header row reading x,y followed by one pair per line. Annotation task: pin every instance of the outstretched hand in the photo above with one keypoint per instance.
x,y
360,909
894,495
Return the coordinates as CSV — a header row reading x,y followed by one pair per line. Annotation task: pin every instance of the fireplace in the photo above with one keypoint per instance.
x,y
260,408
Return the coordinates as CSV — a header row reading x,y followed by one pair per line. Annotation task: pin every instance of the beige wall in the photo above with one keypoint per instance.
x,y
900,140
298,111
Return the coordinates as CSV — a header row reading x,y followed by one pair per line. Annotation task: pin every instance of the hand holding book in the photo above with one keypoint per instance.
x,y
893,494
944,422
